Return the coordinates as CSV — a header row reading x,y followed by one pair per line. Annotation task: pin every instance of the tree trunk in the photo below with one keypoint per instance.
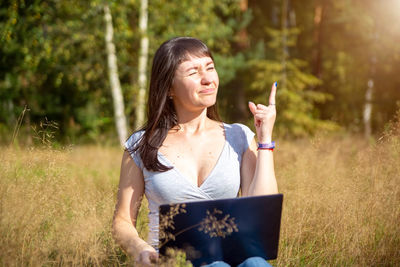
x,y
318,38
144,47
240,96
275,15
368,109
285,49
118,100
243,41
367,112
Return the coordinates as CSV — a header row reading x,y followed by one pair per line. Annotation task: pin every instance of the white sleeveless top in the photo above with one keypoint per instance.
x,y
173,187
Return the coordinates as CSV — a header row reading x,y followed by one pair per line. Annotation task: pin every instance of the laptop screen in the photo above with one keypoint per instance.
x,y
229,230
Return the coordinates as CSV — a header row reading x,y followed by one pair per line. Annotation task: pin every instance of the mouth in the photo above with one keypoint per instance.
x,y
207,91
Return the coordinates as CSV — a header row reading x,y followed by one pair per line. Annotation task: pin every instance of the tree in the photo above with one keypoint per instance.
x,y
118,100
356,45
295,98
144,47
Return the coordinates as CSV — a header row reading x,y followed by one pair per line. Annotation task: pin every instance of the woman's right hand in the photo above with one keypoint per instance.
x,y
147,256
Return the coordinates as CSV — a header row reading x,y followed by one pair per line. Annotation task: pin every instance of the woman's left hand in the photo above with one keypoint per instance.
x,y
264,117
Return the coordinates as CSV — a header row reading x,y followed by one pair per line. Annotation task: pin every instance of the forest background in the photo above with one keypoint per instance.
x,y
73,83
336,63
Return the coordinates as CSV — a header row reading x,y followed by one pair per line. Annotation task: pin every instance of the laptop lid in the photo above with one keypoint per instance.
x,y
229,230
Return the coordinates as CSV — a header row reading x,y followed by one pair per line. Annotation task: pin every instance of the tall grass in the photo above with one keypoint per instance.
x,y
57,206
341,204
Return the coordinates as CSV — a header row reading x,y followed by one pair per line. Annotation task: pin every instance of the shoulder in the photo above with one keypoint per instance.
x,y
238,129
134,139
239,135
131,146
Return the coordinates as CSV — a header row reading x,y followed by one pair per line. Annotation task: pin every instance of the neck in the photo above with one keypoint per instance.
x,y
193,122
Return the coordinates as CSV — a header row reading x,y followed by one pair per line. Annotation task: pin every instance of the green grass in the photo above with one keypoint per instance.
x,y
341,204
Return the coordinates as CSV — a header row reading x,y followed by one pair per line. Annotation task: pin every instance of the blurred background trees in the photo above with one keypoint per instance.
x,y
333,60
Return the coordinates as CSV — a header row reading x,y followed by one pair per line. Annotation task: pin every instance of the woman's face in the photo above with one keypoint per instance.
x,y
195,84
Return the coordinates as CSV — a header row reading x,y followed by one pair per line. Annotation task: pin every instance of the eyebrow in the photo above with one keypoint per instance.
x,y
195,67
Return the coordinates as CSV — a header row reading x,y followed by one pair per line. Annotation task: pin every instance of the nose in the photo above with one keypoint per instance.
x,y
206,78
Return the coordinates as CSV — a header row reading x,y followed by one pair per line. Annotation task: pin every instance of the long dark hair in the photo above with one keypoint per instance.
x,y
161,114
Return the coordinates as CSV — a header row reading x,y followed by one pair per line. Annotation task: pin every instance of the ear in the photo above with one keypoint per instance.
x,y
171,91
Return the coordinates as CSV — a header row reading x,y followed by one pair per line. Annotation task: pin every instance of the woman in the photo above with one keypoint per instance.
x,y
184,152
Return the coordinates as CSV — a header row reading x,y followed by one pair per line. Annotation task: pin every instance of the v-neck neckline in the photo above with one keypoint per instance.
x,y
212,170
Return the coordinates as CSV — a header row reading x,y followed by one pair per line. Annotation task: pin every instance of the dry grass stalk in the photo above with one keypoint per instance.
x,y
215,227
213,224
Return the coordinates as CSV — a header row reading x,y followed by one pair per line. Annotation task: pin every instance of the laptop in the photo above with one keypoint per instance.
x,y
229,230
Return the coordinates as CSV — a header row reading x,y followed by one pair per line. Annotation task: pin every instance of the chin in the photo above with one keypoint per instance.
x,y
211,102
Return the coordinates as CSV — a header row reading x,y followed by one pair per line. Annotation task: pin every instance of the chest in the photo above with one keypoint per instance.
x,y
196,157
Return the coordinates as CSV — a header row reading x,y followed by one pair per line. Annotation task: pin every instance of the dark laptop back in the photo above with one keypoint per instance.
x,y
229,230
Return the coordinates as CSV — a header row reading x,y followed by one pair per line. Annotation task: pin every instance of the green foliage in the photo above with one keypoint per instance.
x,y
54,57
168,19
53,65
53,60
296,98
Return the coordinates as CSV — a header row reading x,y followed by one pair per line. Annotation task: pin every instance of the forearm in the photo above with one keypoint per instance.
x,y
126,235
264,181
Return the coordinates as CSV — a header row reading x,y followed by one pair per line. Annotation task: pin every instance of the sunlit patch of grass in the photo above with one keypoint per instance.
x,y
341,204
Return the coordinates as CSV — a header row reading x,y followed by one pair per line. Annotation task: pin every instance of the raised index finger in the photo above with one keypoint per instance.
x,y
273,94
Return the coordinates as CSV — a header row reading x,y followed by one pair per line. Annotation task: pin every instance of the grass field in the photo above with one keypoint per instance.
x,y
341,204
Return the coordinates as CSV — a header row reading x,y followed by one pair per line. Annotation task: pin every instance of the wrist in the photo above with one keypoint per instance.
x,y
264,138
266,146
136,247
